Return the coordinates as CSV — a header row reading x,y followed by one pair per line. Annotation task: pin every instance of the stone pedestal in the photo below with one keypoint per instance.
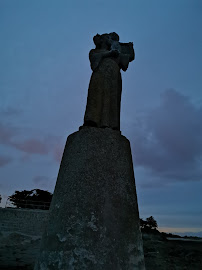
x,y
94,219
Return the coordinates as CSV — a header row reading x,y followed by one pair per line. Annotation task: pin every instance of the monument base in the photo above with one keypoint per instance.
x,y
94,220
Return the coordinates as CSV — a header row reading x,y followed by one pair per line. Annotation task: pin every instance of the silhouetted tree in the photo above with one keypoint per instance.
x,y
0,198
142,223
33,199
151,223
148,224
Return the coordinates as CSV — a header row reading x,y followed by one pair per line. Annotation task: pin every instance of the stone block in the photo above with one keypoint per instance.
x,y
93,220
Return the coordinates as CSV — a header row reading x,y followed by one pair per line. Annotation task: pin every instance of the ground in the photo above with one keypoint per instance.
x,y
176,254
18,252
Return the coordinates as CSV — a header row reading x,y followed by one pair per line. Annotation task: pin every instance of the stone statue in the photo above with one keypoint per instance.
x,y
100,227
104,93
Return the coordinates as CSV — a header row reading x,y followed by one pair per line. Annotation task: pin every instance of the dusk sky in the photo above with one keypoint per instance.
x,y
44,77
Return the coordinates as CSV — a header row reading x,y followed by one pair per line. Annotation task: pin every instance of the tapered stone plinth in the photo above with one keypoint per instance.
x,y
94,221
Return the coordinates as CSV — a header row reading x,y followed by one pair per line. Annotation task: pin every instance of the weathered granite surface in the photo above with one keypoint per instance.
x,y
94,219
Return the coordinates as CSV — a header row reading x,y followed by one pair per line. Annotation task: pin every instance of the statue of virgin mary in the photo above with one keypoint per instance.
x,y
104,92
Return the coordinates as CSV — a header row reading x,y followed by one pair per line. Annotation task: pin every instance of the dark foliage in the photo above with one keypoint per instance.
x,y
32,199
148,224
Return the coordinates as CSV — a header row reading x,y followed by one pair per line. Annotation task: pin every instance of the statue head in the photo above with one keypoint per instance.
x,y
101,41
114,36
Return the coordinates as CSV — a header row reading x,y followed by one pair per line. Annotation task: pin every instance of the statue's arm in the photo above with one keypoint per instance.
x,y
96,56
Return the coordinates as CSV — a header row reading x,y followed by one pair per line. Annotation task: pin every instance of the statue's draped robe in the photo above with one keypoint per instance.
x,y
104,95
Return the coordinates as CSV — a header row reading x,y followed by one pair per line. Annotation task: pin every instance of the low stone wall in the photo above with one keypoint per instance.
x,y
26,221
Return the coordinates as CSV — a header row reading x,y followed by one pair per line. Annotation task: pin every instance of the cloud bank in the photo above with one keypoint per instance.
x,y
33,144
4,160
168,139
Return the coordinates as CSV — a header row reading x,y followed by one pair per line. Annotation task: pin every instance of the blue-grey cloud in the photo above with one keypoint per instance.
x,y
6,133
44,144
40,179
4,160
32,146
44,182
168,141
